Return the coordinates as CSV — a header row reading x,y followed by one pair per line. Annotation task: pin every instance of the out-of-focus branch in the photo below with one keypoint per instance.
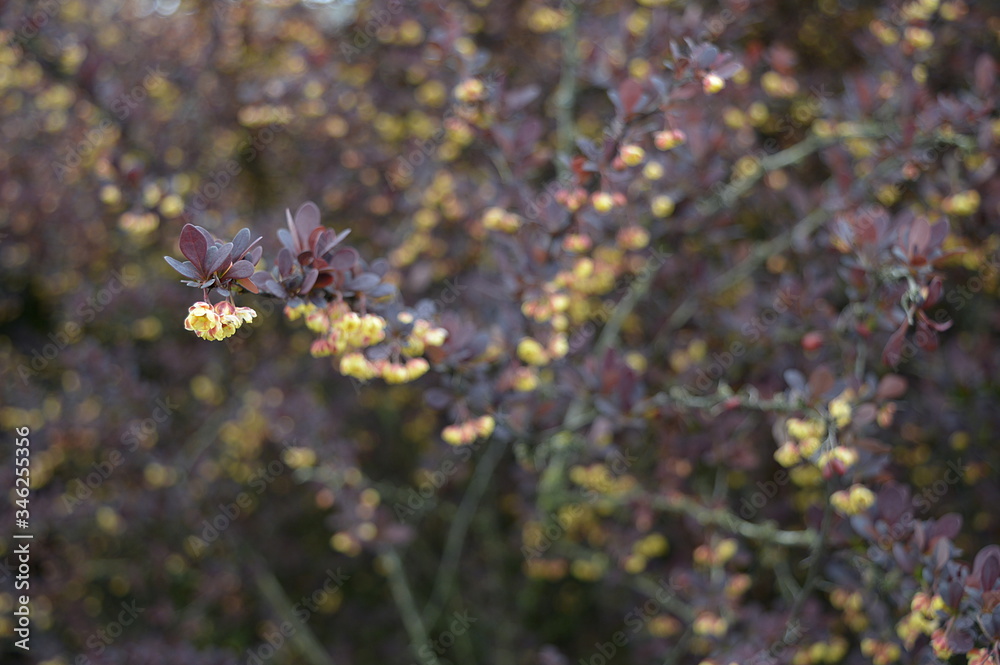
x,y
765,532
448,569
303,638
565,98
403,597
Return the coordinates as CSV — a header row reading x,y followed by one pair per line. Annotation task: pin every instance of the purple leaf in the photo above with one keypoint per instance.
x,y
253,256
194,246
307,218
705,57
218,258
986,567
187,268
275,289
326,241
382,291
261,277
240,270
364,282
892,353
892,500
308,279
729,69
948,526
287,240
241,242
248,285
284,262
892,386
344,259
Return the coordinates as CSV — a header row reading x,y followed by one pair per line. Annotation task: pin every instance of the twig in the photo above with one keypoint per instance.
x,y
304,639
814,562
566,91
765,165
803,228
403,597
445,579
767,531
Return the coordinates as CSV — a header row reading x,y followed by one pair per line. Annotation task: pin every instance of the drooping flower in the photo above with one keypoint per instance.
x,y
203,320
216,322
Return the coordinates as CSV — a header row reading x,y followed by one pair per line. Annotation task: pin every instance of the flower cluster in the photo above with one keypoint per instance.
x,y
924,619
342,329
346,335
853,500
356,365
216,322
532,351
806,443
881,653
462,434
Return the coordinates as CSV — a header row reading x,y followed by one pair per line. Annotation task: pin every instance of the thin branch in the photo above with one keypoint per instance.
x,y
445,579
403,598
566,91
303,638
766,531
815,556
742,270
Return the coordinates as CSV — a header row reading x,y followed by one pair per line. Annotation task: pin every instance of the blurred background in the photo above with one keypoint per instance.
x,y
214,491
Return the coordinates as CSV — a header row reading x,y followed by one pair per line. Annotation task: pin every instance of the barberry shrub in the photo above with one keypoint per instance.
x,y
664,333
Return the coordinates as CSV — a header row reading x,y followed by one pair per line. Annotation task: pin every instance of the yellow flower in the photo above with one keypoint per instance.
x,y
299,310
318,321
853,501
452,434
840,409
525,379
202,319
532,352
485,426
395,373
712,84
416,368
246,314
356,365
632,155
787,455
